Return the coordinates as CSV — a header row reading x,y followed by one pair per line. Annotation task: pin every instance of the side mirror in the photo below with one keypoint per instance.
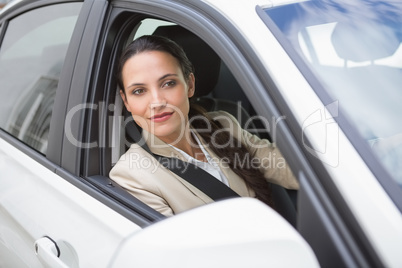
x,y
240,232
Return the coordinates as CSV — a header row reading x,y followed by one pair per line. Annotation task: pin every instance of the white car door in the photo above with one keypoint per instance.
x,y
45,221
38,206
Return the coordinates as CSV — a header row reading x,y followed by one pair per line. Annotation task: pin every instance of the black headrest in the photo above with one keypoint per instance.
x,y
206,62
355,43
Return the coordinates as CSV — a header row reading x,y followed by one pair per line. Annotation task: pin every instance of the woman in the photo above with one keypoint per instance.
x,y
156,81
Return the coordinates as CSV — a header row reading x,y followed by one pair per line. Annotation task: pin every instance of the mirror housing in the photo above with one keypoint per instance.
x,y
239,232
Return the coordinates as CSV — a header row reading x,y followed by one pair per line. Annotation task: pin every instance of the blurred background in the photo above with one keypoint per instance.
x,y
3,3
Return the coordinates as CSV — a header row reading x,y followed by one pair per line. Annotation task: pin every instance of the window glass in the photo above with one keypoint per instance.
x,y
148,26
31,57
355,49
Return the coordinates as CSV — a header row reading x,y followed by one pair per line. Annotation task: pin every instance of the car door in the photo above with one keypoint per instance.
x,y
48,217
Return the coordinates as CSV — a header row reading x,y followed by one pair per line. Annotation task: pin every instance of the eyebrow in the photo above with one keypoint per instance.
x,y
160,79
166,75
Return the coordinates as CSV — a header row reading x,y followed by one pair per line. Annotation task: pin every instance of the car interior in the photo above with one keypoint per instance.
x,y
216,89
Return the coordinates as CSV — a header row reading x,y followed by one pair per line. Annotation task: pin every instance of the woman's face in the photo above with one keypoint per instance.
x,y
156,94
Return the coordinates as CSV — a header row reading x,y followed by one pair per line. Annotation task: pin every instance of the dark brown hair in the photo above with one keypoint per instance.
x,y
252,176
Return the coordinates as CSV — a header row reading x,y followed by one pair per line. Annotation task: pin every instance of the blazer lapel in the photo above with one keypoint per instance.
x,y
159,147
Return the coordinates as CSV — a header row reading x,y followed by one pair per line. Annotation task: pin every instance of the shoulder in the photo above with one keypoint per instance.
x,y
229,123
137,170
133,159
225,118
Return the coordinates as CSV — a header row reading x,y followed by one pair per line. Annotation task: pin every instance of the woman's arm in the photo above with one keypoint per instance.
x,y
270,161
267,157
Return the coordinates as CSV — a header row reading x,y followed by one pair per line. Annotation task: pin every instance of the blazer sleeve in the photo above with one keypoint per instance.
x,y
270,161
267,156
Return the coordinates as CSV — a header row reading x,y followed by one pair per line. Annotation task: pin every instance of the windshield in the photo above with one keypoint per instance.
x,y
354,48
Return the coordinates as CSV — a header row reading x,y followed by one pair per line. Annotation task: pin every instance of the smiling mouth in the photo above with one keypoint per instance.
x,y
161,117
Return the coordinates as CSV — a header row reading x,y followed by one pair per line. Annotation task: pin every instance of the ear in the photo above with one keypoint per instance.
x,y
191,85
123,96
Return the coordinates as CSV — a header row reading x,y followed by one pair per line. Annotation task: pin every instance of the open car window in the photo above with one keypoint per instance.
x,y
216,87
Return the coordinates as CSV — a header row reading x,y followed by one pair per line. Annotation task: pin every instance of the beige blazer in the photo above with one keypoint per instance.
x,y
144,177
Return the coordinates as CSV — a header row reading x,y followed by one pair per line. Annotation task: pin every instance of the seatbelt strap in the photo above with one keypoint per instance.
x,y
196,176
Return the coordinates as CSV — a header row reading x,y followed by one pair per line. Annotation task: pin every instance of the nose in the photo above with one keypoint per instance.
x,y
158,99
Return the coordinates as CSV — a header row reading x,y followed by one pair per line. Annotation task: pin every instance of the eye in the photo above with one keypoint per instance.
x,y
170,83
138,91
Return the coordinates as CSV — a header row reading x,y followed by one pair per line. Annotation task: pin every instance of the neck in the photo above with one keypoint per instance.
x,y
186,143
190,146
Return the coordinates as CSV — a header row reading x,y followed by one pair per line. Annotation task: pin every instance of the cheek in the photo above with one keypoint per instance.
x,y
138,112
141,121
137,107
180,100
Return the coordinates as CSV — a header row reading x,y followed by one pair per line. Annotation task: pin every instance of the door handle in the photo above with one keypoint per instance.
x,y
48,253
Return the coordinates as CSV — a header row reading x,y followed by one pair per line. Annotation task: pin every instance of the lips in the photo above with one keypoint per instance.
x,y
161,117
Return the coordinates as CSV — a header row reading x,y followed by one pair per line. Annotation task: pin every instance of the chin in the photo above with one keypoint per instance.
x,y
164,132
